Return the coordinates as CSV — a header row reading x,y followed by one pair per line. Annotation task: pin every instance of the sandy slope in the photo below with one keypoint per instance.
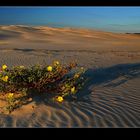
x,y
111,98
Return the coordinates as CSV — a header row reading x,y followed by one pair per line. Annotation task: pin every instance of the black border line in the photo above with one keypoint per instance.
x,y
70,3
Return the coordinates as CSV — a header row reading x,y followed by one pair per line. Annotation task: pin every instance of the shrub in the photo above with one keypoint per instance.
x,y
19,83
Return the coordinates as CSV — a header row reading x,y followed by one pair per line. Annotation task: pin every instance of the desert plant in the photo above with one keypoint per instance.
x,y
56,79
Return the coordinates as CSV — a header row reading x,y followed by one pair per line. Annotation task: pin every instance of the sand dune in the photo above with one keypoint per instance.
x,y
66,38
111,96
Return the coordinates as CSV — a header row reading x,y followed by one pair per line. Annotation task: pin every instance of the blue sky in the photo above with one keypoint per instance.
x,y
117,19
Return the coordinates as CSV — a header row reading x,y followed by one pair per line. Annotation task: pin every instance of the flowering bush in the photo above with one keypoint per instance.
x,y
19,84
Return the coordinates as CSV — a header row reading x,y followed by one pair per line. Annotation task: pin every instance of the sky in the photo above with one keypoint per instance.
x,y
115,19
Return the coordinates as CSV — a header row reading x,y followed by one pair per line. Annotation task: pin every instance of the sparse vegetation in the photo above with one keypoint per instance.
x,y
19,84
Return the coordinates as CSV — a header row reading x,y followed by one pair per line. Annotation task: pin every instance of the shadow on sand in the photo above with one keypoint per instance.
x,y
120,73
24,50
4,35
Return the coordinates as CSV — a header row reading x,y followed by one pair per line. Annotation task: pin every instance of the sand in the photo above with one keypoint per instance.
x,y
111,97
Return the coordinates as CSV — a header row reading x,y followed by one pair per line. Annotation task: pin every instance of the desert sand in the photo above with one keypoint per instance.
x,y
110,98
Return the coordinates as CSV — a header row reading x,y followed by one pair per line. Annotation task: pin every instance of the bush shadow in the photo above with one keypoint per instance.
x,y
109,77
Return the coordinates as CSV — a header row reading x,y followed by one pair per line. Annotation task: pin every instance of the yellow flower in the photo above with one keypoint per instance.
x,y
56,63
49,68
4,67
10,95
59,99
5,78
76,76
73,90
21,67
82,68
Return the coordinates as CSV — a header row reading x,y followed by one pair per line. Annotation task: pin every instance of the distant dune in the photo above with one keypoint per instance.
x,y
65,38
